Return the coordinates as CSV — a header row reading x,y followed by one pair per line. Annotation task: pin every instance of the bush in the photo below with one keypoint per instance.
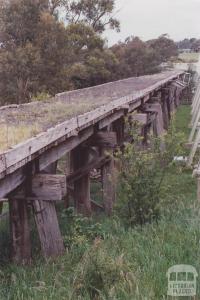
x,y
79,230
140,187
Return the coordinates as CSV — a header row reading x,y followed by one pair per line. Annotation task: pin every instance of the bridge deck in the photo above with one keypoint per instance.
x,y
43,132
19,123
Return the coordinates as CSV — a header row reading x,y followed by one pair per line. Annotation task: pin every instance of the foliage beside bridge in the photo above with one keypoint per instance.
x,y
141,184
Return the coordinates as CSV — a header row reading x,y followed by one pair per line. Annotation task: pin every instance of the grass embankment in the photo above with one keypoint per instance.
x,y
123,263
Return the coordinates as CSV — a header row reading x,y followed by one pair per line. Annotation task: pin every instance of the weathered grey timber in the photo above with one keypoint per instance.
x,y
19,155
87,142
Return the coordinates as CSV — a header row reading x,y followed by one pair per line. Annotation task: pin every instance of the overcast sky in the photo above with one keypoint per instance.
x,y
151,18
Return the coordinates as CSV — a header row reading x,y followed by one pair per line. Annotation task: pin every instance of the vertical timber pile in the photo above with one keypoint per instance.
x,y
177,97
141,119
19,223
1,207
198,189
171,99
46,189
80,159
48,228
108,171
155,110
165,107
118,126
19,229
68,171
42,191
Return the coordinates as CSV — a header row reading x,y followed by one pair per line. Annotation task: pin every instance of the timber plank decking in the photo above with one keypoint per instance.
x,y
103,101
107,105
20,122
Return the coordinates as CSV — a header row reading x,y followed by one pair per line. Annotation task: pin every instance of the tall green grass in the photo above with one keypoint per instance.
x,y
110,261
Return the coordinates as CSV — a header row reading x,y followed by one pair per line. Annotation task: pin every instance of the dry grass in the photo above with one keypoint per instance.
x,y
189,57
11,135
17,125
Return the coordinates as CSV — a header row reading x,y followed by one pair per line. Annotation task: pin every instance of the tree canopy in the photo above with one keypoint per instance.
x,y
192,44
99,14
48,46
40,53
164,47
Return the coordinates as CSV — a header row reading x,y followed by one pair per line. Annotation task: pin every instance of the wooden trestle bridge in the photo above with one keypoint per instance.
x,y
28,170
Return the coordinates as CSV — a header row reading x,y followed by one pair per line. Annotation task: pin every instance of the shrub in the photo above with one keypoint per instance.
x,y
142,175
79,230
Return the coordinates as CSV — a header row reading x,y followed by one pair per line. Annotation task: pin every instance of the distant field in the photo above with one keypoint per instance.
x,y
189,57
